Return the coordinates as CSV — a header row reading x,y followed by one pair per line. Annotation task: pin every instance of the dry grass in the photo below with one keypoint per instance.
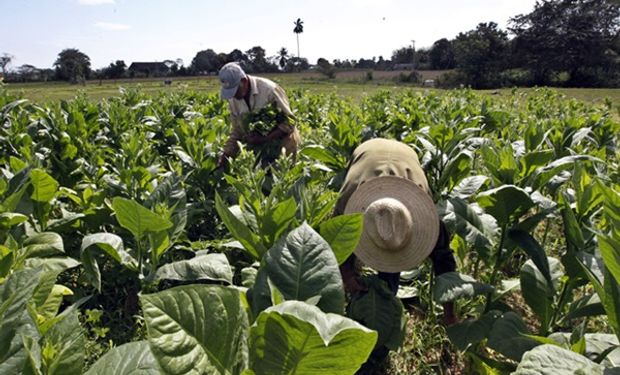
x,y
426,350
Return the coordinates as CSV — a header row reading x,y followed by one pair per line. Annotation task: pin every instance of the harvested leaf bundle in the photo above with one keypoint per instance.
x,y
265,119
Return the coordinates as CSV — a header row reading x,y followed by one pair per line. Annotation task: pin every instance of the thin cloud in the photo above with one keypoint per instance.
x,y
95,2
111,26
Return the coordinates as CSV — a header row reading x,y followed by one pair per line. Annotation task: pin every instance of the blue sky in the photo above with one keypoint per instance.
x,y
35,31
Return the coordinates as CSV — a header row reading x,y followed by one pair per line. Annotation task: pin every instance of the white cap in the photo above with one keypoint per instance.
x,y
230,76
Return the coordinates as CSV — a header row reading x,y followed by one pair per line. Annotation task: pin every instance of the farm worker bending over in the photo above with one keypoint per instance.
x,y
386,183
260,115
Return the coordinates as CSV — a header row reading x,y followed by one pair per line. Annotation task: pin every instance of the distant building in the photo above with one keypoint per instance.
x,y
148,69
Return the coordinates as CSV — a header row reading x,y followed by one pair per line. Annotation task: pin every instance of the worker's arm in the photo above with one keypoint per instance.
x,y
443,261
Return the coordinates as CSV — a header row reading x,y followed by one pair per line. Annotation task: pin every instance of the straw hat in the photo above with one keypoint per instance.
x,y
401,224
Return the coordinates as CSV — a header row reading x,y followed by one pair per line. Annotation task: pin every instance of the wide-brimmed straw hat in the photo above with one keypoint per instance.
x,y
401,224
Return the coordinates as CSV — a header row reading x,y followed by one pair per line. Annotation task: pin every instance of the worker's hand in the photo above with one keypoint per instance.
x,y
255,138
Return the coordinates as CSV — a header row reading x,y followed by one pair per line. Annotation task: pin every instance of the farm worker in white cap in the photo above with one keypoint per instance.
x,y
386,183
249,94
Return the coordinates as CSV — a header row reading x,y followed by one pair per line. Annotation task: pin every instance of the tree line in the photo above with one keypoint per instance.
x,y
561,42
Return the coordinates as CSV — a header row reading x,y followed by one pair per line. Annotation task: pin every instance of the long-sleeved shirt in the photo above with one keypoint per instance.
x,y
262,93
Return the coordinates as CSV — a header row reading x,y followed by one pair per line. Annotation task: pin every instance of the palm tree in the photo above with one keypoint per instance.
x,y
299,28
282,57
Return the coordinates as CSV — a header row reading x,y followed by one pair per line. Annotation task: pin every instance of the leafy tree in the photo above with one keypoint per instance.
x,y
115,69
206,61
296,64
345,64
422,58
381,64
172,65
5,61
236,55
326,68
282,57
442,55
365,64
574,36
481,54
27,72
72,65
257,61
403,55
299,28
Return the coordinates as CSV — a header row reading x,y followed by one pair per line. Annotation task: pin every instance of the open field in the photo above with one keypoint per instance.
x,y
121,240
353,84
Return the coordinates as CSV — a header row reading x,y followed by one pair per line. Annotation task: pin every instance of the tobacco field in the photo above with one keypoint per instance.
x,y
124,250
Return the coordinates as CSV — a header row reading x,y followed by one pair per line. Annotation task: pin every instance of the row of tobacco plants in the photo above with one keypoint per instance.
x,y
124,249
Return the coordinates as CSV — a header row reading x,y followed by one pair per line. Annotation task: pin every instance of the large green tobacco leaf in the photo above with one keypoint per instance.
x,y
300,266
44,186
171,193
572,230
542,175
539,292
505,333
43,245
469,222
342,233
597,344
67,340
134,358
18,185
53,264
612,301
553,360
457,168
15,319
296,338
532,248
111,245
278,219
44,287
468,186
137,219
588,305
533,160
469,332
610,251
10,219
609,294
505,202
250,241
319,153
507,336
197,329
33,356
213,267
451,286
379,310
50,307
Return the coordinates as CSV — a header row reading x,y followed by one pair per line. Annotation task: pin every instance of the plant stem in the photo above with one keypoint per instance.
x,y
430,292
477,268
559,307
139,248
496,267
544,241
